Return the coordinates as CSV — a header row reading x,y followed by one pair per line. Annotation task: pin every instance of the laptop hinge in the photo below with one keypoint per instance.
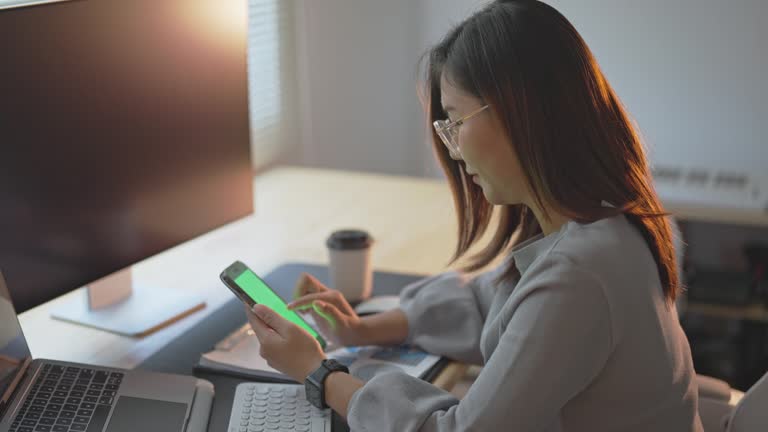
x,y
8,396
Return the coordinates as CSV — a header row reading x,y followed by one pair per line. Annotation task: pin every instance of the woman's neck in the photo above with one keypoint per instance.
x,y
551,224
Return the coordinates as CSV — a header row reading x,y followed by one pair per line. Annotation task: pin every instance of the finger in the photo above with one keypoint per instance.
x,y
322,324
301,287
329,312
272,319
303,307
306,284
327,296
262,331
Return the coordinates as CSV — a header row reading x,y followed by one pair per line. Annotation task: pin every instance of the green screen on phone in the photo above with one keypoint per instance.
x,y
261,293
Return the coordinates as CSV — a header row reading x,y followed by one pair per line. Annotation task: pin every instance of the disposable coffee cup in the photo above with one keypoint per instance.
x,y
350,263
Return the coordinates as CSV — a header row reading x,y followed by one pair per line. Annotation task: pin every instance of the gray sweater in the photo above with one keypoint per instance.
x,y
583,341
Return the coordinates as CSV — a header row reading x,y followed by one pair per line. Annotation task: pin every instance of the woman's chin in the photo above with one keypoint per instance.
x,y
496,199
490,196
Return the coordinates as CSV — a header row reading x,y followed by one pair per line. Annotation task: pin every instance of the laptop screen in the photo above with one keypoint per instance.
x,y
14,351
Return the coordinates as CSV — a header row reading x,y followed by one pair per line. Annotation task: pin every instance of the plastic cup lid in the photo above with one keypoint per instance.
x,y
349,239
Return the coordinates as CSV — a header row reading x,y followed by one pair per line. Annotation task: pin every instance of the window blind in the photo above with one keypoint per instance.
x,y
271,78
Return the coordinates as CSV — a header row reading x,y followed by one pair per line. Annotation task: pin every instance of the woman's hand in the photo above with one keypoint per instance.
x,y
284,345
330,309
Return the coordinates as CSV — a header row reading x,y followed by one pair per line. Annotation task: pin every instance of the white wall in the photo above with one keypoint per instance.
x,y
690,72
358,81
357,72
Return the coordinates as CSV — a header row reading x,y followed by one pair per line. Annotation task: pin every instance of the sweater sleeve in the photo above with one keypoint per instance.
x,y
445,316
556,337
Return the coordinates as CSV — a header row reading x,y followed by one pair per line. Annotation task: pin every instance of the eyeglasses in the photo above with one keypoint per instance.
x,y
449,131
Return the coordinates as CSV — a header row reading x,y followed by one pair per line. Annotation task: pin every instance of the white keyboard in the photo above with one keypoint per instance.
x,y
276,407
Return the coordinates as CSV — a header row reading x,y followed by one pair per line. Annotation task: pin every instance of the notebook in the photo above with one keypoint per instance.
x,y
238,355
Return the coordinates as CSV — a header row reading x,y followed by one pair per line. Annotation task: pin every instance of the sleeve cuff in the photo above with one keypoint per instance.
x,y
395,401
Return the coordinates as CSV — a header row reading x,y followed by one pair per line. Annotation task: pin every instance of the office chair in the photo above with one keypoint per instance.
x,y
732,410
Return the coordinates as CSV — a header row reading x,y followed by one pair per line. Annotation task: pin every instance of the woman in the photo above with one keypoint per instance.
x,y
576,329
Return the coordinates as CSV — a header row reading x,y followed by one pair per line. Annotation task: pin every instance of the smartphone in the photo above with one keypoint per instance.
x,y
252,290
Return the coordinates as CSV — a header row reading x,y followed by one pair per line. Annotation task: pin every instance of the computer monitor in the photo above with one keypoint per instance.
x,y
123,132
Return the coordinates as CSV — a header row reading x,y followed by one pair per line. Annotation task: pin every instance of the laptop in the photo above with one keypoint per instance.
x,y
54,396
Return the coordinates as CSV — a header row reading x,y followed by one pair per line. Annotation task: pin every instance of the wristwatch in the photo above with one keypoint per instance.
x,y
315,382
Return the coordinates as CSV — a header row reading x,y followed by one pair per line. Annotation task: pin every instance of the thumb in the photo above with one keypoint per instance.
x,y
271,318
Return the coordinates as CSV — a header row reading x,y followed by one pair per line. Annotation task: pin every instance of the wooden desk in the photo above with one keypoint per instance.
x,y
411,220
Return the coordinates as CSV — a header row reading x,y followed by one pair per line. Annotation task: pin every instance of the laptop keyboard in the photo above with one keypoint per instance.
x,y
67,398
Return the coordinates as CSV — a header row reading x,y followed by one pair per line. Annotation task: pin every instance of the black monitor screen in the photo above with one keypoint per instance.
x,y
123,131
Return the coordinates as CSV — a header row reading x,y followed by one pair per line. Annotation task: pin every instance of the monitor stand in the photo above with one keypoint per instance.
x,y
117,305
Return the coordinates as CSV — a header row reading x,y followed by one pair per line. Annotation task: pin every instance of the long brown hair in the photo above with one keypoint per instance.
x,y
575,141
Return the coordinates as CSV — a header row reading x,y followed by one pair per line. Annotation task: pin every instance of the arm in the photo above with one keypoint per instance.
x,y
339,388
556,339
445,314
392,327
447,293
386,328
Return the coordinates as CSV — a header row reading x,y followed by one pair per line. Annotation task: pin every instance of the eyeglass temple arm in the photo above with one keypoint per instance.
x,y
468,116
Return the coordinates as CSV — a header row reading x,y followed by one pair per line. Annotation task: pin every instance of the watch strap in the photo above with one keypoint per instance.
x,y
316,381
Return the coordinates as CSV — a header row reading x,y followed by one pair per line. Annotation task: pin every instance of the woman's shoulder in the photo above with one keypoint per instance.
x,y
609,243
